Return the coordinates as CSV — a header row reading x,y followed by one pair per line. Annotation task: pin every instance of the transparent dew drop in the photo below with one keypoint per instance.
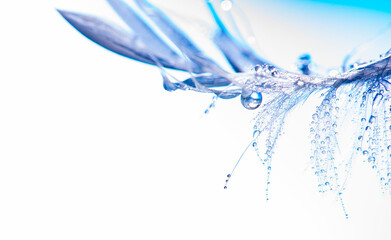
x,y
256,133
372,119
300,83
226,5
258,70
365,152
377,99
168,85
251,99
275,73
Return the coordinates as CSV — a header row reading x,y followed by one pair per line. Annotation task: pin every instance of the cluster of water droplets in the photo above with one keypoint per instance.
x,y
269,121
323,141
374,137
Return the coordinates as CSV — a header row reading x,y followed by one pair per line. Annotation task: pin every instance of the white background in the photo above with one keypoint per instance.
x,y
92,147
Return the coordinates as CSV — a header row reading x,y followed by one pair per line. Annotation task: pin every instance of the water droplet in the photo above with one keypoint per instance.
x,y
254,144
334,125
389,147
372,119
226,5
251,99
256,133
315,117
300,83
359,149
225,187
363,120
258,69
326,183
365,152
326,102
359,138
269,168
275,73
377,99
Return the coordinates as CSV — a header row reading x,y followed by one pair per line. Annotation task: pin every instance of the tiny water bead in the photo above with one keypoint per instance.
x,y
251,99
365,152
372,119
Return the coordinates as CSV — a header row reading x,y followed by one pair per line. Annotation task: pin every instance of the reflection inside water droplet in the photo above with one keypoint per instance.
x,y
251,99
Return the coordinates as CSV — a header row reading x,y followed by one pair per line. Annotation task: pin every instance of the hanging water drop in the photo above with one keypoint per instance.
x,y
251,99
167,84
372,119
256,133
365,152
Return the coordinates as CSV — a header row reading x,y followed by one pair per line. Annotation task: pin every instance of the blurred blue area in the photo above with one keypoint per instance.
x,y
328,30
378,5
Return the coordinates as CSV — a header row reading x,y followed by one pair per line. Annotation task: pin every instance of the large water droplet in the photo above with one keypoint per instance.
x,y
226,5
251,99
